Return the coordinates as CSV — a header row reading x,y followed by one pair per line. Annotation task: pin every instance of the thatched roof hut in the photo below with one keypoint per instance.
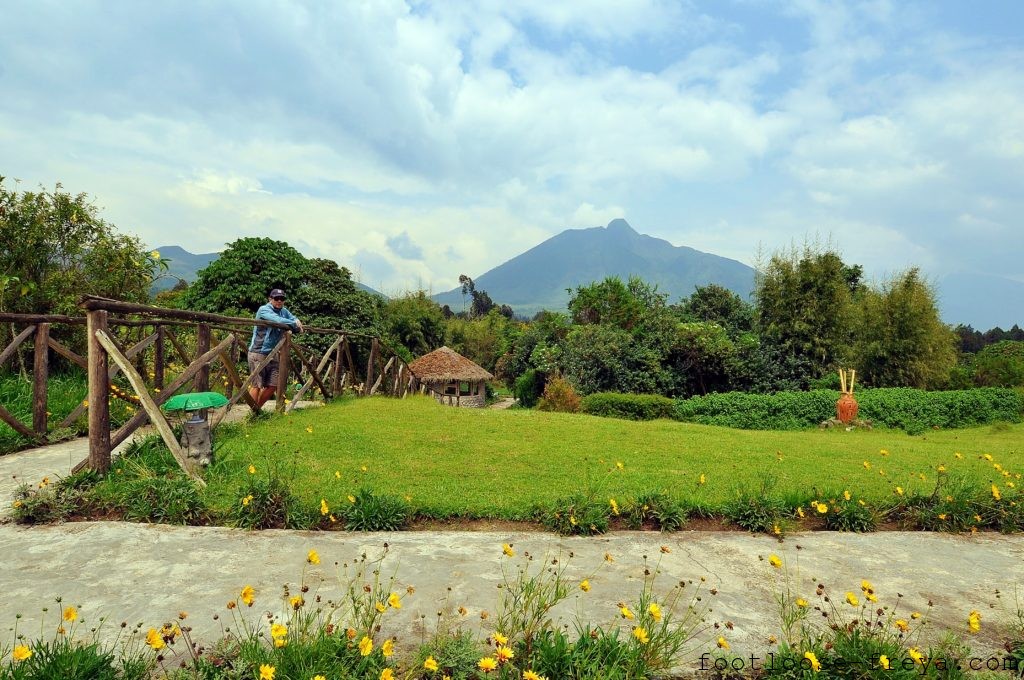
x,y
452,378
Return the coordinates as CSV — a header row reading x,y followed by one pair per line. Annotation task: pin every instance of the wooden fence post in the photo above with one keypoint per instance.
x,y
283,363
158,359
99,393
202,381
371,366
41,374
336,378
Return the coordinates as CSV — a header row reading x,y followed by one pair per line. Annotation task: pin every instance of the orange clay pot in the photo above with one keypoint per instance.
x,y
846,408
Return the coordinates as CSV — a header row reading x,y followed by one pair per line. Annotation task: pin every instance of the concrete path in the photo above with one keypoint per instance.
x,y
148,573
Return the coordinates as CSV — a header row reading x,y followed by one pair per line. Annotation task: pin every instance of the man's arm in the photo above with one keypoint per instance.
x,y
286,318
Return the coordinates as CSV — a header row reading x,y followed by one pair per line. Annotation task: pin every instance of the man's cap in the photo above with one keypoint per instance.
x,y
277,292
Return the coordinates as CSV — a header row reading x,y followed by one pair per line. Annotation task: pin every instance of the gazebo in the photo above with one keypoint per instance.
x,y
452,378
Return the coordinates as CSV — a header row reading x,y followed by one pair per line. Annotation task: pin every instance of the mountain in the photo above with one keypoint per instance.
x,y
981,301
185,265
538,278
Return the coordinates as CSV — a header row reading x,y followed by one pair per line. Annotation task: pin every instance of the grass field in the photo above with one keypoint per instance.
x,y
490,463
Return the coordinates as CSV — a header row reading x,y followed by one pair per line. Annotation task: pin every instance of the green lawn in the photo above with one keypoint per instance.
x,y
494,463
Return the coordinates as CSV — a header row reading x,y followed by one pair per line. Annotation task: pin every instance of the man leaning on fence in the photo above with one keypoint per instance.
x,y
264,338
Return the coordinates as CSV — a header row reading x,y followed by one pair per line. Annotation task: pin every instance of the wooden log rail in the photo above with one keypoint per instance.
x,y
146,350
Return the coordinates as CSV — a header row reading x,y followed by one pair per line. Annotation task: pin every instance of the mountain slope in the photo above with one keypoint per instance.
x,y
538,278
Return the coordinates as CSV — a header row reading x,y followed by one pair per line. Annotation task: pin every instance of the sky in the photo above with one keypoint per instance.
x,y
416,141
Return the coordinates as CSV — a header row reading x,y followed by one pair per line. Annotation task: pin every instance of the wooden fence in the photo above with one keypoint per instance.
x,y
219,345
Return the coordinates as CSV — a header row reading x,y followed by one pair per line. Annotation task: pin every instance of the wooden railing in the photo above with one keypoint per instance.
x,y
219,342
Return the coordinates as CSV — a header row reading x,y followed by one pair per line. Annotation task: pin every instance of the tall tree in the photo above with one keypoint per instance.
x,y
900,340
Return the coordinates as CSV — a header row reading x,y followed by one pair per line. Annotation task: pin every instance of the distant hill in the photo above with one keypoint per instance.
x,y
185,265
538,278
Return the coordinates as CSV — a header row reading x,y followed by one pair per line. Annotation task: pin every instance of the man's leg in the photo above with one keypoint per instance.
x,y
265,395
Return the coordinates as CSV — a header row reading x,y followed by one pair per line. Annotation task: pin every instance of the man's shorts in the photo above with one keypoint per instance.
x,y
268,376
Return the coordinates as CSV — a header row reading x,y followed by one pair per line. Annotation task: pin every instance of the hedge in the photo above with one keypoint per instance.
x,y
904,408
628,406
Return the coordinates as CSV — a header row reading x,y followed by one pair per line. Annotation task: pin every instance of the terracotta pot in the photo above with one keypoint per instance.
x,y
846,408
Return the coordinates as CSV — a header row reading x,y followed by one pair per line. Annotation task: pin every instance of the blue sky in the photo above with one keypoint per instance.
x,y
414,141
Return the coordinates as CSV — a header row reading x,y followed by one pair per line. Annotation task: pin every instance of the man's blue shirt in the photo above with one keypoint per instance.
x,y
263,337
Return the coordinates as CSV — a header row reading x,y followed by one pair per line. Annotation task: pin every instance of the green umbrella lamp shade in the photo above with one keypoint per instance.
x,y
193,401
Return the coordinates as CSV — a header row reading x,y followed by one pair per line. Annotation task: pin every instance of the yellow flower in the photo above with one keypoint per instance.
x,y
655,611
883,661
801,602
821,507
313,557
995,492
504,654
846,494
902,625
155,254
615,506
70,614
387,674
362,469
267,672
988,457
248,595
337,475
641,635
252,469
351,499
867,465
884,452
608,557
866,586
776,530
381,607
247,500
350,633
309,429
388,648
620,466
395,601
899,490
958,455
703,479
154,640
915,615
487,664
626,614
941,468
506,548
21,653
280,642
974,621
723,643
800,512
810,656
365,646
585,585
942,516
914,654
278,630
775,561
323,507
530,675
851,599
499,638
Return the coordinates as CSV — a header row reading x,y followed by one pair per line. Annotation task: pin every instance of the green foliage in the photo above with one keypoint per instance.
x,y
757,511
952,506
57,248
900,339
166,500
375,512
904,408
804,305
481,339
850,516
702,358
720,306
559,395
43,504
628,406
1000,365
239,281
605,358
613,302
268,503
657,508
456,654
68,659
529,387
327,297
415,322
575,515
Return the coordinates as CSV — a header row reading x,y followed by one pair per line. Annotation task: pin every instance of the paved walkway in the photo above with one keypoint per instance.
x,y
148,573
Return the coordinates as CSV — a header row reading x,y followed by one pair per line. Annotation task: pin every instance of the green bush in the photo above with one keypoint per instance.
x,y
628,406
528,388
575,515
268,504
904,408
559,395
756,510
164,500
656,507
372,512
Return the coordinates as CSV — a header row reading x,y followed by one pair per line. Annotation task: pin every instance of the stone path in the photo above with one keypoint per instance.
x,y
149,573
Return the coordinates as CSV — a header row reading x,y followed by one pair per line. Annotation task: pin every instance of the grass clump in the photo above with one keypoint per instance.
x,y
657,508
757,510
576,515
368,511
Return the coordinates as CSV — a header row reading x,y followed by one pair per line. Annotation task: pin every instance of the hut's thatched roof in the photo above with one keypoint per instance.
x,y
444,365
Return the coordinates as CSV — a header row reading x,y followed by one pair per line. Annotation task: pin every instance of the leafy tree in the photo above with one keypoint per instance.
x,y
604,358
238,281
703,359
613,302
328,297
719,305
1000,365
900,340
804,307
482,340
416,322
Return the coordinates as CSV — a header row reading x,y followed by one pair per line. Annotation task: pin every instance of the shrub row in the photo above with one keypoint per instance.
x,y
903,408
628,406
